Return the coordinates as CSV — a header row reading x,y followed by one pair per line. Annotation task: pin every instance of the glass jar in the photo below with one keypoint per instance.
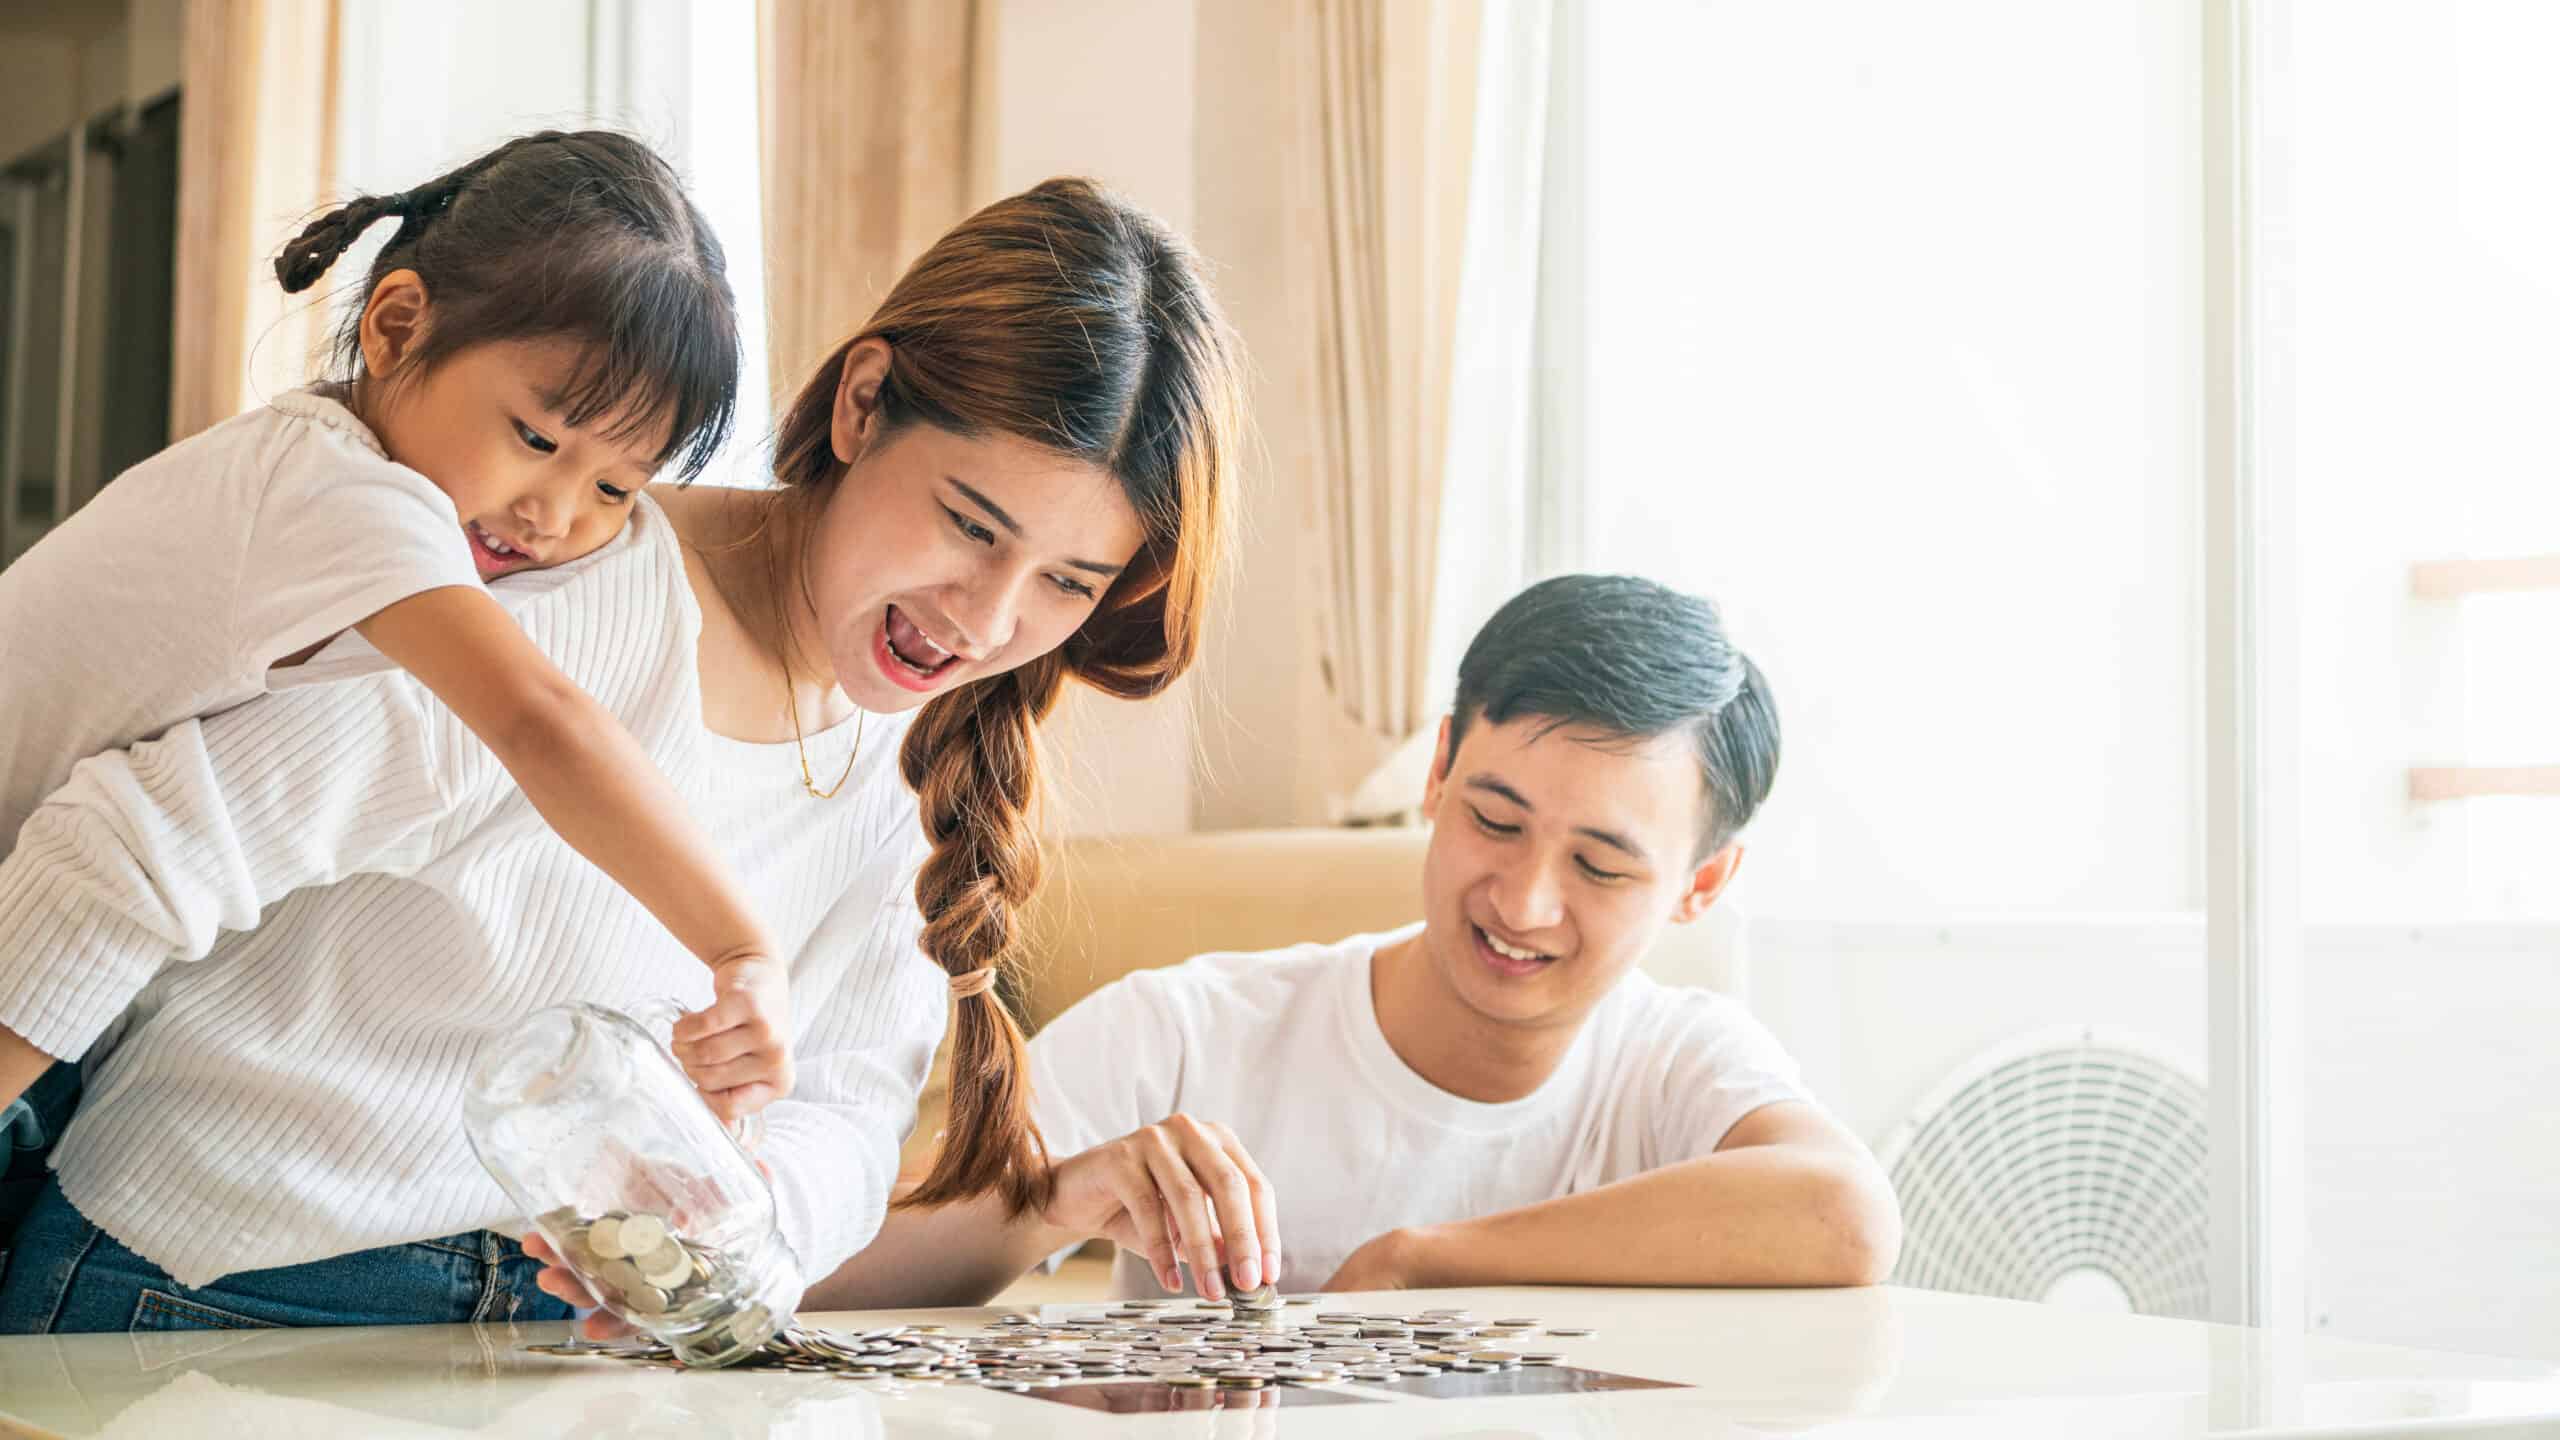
x,y
585,1120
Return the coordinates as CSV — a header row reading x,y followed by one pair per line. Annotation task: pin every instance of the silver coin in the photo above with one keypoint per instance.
x,y
667,1267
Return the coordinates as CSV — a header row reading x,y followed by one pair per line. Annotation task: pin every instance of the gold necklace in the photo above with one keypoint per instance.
x,y
809,782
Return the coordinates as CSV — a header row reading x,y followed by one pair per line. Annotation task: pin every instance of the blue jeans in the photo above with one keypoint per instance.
x,y
66,1275
29,1126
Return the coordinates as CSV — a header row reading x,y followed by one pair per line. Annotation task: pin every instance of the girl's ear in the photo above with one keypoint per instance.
x,y
395,322
857,413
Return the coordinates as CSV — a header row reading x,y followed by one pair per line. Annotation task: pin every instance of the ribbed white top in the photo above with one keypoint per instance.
x,y
290,1092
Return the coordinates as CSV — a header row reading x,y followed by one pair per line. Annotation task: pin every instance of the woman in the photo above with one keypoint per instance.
x,y
1014,475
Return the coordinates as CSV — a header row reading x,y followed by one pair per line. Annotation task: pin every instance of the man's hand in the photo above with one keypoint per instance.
x,y
1386,1262
736,1050
1180,1189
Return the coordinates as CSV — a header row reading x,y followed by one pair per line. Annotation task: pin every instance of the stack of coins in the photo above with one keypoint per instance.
x,y
1232,1345
636,1259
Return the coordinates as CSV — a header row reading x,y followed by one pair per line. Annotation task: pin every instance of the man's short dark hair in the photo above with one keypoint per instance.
x,y
1633,660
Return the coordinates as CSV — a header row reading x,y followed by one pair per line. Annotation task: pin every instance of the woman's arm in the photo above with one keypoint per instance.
x,y
1177,1188
594,785
1180,1189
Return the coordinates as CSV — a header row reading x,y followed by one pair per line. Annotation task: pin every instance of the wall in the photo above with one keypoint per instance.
x,y
2432,1147
1259,675
39,90
1105,91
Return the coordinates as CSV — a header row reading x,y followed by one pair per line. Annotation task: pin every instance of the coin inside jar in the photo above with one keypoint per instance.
x,y
641,1233
667,1267
605,1238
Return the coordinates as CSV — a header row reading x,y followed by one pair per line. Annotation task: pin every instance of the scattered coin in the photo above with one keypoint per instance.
x,y
1016,1353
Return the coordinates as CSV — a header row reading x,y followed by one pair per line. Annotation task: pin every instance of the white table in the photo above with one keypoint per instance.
x,y
1847,1363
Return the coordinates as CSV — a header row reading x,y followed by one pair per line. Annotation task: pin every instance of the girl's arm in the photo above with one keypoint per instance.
x,y
146,855
598,789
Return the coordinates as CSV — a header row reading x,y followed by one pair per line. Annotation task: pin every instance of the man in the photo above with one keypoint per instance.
x,y
1495,1095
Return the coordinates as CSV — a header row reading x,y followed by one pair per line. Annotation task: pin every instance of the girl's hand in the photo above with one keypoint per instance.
x,y
1180,1189
736,1050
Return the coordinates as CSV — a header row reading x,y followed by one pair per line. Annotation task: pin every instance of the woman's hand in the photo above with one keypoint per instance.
x,y
560,1282
1178,1190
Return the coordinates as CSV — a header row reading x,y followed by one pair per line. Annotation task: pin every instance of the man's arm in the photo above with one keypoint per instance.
x,y
1788,1198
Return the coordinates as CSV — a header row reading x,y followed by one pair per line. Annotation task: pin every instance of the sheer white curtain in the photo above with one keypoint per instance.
x,y
1510,512
256,156
1385,144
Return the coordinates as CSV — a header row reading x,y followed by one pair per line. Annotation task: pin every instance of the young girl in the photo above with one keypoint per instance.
x,y
550,327
1013,480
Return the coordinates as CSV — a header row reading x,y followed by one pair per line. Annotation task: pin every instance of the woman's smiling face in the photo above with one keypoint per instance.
x,y
943,558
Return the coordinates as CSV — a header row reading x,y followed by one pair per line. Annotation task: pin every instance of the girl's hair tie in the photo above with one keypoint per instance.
x,y
976,982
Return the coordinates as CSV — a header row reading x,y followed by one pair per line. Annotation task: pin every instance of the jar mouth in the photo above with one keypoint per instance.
x,y
531,1061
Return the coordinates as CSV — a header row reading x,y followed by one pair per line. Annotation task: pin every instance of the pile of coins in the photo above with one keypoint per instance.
x,y
638,1258
1245,1343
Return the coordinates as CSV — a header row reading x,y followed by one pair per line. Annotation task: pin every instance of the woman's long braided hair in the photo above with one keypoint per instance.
x,y
1067,317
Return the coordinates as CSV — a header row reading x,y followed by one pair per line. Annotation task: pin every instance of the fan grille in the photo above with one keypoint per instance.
x,y
2051,1159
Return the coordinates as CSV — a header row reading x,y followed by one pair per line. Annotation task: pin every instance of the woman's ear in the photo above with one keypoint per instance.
x,y
857,412
394,324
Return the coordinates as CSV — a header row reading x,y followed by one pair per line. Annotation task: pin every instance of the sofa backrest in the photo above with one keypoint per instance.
x,y
1112,904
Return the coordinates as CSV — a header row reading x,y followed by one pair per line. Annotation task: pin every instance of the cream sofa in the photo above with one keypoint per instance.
x,y
1110,905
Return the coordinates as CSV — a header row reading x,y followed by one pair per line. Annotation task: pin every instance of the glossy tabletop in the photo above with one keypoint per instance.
x,y
1879,1362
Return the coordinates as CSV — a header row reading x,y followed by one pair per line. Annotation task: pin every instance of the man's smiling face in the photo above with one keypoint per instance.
x,y
1558,852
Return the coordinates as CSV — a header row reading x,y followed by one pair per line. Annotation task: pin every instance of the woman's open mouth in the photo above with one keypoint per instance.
x,y
908,656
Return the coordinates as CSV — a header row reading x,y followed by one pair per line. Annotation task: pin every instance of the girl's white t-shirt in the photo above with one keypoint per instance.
x,y
169,595
1284,1047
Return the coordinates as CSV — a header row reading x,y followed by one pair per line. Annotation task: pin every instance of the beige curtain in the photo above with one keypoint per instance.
x,y
866,116
1386,122
256,156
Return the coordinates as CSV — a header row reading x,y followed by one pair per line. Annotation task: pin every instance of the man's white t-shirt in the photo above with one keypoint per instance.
x,y
1284,1047
169,595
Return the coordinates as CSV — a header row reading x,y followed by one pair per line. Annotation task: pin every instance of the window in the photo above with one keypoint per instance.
x,y
427,87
